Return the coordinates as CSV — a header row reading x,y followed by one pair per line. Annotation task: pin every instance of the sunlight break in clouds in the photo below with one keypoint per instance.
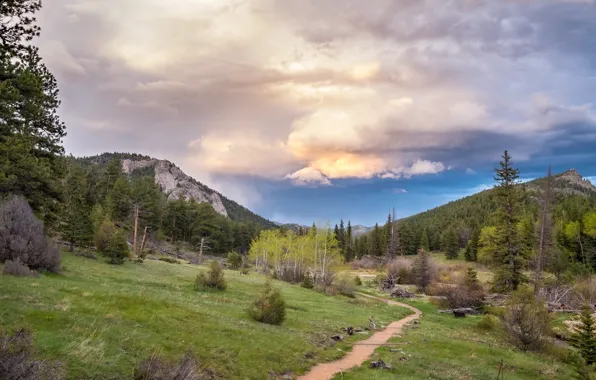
x,y
314,92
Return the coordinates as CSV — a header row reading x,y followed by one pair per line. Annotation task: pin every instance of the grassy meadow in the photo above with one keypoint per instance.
x,y
101,320
443,347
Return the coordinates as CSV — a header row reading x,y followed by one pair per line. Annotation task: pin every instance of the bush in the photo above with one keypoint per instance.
x,y
22,237
17,268
234,260
307,283
156,368
103,234
400,271
16,361
244,271
526,321
357,281
269,306
457,296
345,285
117,248
169,260
214,278
488,323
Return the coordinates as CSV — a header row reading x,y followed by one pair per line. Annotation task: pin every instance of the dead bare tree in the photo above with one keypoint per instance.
x,y
545,239
134,243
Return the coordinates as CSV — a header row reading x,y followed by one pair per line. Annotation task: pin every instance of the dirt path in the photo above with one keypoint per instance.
x,y
362,350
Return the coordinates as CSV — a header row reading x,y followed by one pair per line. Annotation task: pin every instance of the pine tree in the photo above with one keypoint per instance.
x,y
75,221
424,242
349,250
584,338
421,270
341,238
31,162
471,252
118,201
146,195
107,180
450,244
510,262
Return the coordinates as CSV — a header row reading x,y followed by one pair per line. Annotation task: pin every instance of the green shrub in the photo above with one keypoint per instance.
x,y
117,248
307,282
488,323
234,260
358,281
102,235
269,306
526,320
244,271
169,260
345,285
214,278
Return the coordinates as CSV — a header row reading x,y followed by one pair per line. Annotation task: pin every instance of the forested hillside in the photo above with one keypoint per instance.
x,y
235,211
452,226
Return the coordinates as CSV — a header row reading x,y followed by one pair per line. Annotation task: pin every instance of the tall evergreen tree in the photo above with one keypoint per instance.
x,y
424,241
545,233
471,253
584,338
75,222
349,250
451,244
341,238
31,162
146,195
509,259
118,201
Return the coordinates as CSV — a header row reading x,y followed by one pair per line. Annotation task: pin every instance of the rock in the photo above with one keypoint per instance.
x,y
358,330
416,322
175,184
393,350
337,338
350,330
461,310
459,314
380,365
403,359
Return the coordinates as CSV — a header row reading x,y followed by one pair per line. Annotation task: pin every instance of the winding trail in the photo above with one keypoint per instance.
x,y
362,350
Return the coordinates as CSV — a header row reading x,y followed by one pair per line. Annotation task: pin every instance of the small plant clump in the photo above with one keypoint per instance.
x,y
169,260
156,368
18,269
269,306
345,285
17,361
214,279
234,260
358,281
307,282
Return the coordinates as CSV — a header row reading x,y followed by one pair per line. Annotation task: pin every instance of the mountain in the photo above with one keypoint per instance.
x,y
176,184
359,230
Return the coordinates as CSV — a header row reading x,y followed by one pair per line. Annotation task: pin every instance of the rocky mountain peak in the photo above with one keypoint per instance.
x,y
573,177
175,183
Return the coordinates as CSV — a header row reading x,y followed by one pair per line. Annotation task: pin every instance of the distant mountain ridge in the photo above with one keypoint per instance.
x,y
479,206
176,184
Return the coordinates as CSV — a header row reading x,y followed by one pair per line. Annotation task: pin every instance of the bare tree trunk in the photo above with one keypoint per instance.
x,y
544,234
134,243
144,238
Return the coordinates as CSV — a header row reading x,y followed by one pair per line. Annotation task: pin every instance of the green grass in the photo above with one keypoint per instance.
x,y
443,347
100,320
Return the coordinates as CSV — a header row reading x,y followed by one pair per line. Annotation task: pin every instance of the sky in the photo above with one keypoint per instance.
x,y
321,110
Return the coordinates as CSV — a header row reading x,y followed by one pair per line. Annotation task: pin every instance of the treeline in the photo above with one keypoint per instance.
x,y
95,193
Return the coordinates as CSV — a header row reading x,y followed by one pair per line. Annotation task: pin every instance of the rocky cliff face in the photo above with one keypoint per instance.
x,y
576,180
175,183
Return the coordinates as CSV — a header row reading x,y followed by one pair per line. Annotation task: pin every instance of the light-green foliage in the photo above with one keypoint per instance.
x,y
103,234
487,245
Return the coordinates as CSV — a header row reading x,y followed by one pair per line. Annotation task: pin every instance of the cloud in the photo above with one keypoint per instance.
x,y
399,191
308,176
470,171
344,90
